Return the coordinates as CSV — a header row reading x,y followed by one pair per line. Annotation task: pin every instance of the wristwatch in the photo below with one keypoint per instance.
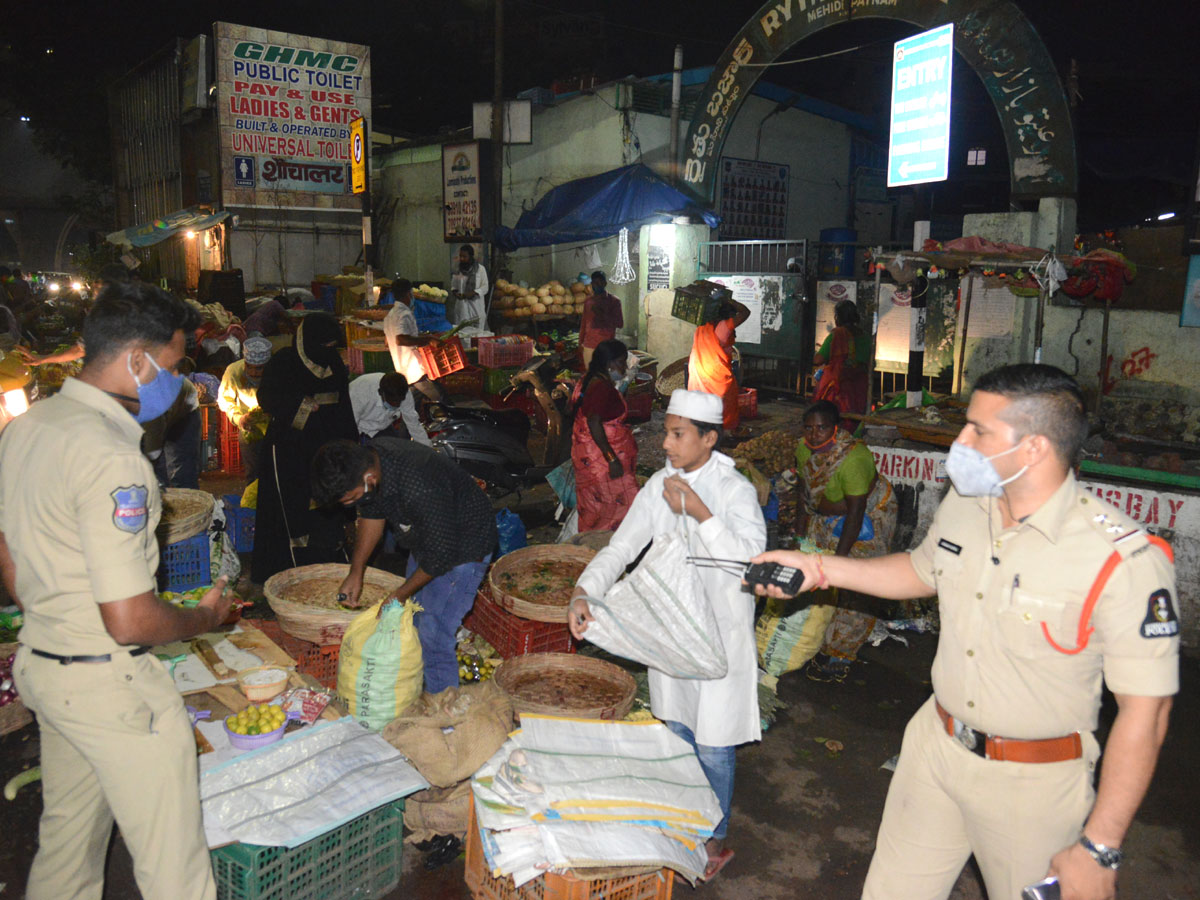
x,y
1109,857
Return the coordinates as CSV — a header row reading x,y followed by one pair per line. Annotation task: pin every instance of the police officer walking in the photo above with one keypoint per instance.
x,y
1043,591
78,508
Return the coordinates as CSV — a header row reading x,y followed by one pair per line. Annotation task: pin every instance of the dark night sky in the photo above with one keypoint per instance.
x,y
1136,123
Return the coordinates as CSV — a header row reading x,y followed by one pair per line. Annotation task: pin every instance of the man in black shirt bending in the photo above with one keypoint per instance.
x,y
437,513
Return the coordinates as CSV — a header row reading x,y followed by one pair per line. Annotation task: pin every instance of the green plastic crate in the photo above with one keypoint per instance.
x,y
377,361
361,858
496,381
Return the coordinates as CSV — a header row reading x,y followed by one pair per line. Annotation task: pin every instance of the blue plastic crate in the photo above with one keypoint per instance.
x,y
239,523
185,564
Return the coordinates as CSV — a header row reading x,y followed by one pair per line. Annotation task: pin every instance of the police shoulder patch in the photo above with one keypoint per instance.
x,y
130,510
1160,618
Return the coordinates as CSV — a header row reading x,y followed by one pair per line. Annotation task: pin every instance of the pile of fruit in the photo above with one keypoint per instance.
x,y
262,718
553,298
773,450
475,668
427,292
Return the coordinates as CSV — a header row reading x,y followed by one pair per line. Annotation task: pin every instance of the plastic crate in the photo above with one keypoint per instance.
x,y
442,357
321,662
354,360
466,382
359,859
657,885
231,450
210,446
184,565
513,636
239,523
511,350
748,403
497,381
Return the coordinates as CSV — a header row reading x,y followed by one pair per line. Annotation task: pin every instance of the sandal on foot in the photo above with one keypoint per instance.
x,y
716,864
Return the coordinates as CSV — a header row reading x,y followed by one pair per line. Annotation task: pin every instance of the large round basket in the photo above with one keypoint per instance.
x,y
536,582
374,313
14,716
672,378
186,513
305,599
566,684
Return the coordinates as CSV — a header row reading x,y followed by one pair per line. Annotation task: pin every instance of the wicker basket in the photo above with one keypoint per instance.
x,y
521,561
14,716
186,513
374,313
318,624
672,378
566,684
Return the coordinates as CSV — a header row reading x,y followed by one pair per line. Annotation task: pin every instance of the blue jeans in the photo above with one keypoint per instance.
x,y
444,602
718,764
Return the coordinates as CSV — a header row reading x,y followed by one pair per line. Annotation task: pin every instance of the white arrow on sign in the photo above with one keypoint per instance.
x,y
907,168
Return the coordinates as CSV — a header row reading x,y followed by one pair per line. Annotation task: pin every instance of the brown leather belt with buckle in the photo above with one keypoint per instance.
x,y
988,746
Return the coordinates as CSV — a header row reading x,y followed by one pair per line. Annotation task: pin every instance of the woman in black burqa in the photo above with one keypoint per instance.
x,y
306,390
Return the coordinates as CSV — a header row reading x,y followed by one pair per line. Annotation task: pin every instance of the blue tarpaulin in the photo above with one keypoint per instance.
x,y
600,206
151,233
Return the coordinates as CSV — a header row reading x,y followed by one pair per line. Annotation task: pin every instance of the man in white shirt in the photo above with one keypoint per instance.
x,y
469,285
379,400
401,333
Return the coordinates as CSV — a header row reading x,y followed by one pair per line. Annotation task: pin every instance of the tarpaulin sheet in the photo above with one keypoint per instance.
x,y
150,233
599,207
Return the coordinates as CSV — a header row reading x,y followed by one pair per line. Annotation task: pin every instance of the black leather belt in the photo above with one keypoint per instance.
x,y
101,658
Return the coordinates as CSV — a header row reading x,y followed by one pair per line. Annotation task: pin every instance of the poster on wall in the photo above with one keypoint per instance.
x,y
992,311
284,107
1191,295
462,222
754,200
763,296
895,312
829,295
658,267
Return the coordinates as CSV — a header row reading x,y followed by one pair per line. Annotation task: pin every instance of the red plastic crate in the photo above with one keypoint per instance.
x,y
466,382
231,450
354,360
442,357
748,403
513,636
311,659
500,352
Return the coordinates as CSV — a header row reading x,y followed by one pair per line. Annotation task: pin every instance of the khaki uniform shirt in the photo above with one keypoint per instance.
x,y
78,507
994,669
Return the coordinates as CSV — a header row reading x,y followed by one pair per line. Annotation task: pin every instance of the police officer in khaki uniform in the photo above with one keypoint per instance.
x,y
1043,590
78,509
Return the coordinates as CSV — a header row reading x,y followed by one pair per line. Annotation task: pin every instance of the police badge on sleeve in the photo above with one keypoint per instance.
x,y
1160,618
130,508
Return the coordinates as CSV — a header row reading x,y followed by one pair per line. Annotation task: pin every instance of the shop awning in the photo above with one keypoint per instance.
x,y
600,206
150,233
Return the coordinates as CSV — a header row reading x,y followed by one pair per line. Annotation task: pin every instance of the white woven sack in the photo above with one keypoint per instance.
x,y
659,615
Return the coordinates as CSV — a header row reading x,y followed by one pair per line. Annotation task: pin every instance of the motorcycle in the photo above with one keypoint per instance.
x,y
494,445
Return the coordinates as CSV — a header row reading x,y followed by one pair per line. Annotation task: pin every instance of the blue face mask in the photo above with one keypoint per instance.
x,y
620,382
973,474
156,395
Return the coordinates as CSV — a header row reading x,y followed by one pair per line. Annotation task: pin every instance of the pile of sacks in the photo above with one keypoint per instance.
x,y
573,793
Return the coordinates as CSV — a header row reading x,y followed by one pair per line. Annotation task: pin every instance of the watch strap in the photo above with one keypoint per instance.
x,y
1108,857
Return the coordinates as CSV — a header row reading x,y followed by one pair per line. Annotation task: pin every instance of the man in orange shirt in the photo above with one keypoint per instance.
x,y
710,367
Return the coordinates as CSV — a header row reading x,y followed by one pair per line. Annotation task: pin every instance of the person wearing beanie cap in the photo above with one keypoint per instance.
x,y
238,399
724,521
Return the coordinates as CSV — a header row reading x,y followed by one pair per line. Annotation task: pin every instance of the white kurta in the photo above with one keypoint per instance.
x,y
400,320
473,307
721,712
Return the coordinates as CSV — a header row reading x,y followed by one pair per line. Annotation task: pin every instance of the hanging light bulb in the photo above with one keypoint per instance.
x,y
623,272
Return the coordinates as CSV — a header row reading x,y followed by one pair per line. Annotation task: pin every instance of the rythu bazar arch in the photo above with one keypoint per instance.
x,y
994,38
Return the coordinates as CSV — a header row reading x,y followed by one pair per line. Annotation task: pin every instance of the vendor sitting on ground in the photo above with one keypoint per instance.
x,y
603,449
238,399
726,522
383,404
436,512
846,506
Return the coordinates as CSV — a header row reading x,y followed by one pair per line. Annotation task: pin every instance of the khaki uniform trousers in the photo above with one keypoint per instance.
x,y
117,744
946,803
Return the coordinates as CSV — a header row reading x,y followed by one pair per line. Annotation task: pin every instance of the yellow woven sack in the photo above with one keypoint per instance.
x,y
785,643
380,670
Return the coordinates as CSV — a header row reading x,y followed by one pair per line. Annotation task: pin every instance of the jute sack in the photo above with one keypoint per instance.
x,y
448,736
438,811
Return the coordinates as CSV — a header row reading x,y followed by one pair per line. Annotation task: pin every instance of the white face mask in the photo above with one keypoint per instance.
x,y
973,474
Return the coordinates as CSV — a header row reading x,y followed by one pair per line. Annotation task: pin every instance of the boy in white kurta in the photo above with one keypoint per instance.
x,y
724,521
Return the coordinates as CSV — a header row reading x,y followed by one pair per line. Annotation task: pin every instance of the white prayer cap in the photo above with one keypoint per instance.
x,y
257,351
698,406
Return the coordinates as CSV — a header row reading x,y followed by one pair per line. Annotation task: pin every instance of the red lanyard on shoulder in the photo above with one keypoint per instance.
x,y
1084,632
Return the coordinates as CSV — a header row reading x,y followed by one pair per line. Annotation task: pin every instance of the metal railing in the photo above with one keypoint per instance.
x,y
752,257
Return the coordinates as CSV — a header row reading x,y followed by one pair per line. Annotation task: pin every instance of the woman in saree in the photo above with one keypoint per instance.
x,y
603,450
847,507
846,357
